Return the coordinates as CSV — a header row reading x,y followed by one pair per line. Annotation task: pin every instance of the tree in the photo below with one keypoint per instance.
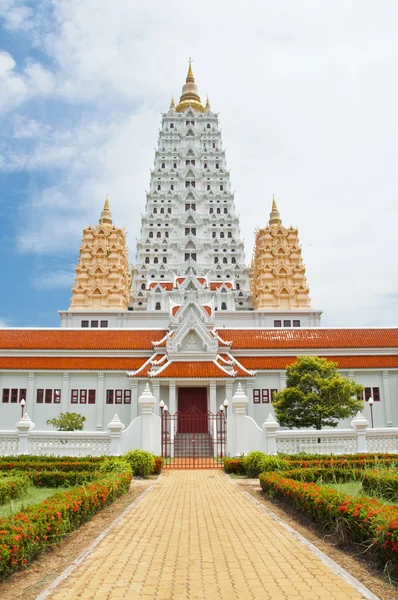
x,y
316,395
68,421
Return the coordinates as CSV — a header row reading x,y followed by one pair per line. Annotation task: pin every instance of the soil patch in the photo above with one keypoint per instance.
x,y
31,581
348,555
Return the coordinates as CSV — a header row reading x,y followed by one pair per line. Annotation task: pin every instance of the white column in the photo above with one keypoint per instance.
x,y
213,396
249,394
30,395
172,398
239,404
147,402
387,399
270,427
134,398
228,391
156,393
24,425
360,424
65,392
100,400
282,380
115,427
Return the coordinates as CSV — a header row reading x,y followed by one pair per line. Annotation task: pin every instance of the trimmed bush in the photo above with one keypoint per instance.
x,y
13,486
365,520
51,465
158,466
29,532
381,483
53,479
114,464
235,465
258,462
142,462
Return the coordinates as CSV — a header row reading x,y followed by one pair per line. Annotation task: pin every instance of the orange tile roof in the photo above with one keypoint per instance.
x,y
214,285
191,370
33,363
167,285
310,338
344,362
80,339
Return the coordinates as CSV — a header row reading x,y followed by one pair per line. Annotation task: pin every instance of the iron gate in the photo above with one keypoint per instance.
x,y
194,440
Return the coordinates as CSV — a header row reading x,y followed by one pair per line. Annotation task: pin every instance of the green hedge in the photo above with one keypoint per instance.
x,y
29,532
50,465
13,486
381,483
365,520
54,479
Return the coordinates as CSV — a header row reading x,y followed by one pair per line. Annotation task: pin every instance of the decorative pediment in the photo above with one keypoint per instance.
x,y
192,337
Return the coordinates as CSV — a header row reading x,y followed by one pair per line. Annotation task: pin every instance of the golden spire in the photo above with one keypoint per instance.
x,y
172,104
274,218
207,107
190,95
106,217
190,77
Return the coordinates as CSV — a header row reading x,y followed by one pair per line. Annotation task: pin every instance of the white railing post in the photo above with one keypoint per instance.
x,y
359,423
239,404
270,427
24,425
115,427
147,402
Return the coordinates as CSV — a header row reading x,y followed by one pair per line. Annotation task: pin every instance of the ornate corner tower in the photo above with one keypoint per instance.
x,y
103,278
277,279
190,223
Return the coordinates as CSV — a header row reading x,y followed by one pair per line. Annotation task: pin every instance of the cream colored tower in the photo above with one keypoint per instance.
x,y
277,279
103,277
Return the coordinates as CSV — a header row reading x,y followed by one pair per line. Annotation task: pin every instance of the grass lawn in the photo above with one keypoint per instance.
x,y
33,496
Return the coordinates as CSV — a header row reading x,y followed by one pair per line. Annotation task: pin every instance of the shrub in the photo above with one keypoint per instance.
x,y
365,520
158,466
252,463
142,462
68,421
13,486
258,462
56,479
26,534
235,465
381,483
50,465
115,464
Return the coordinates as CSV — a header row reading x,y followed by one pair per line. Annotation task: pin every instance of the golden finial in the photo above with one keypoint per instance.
x,y
190,96
106,217
172,104
207,107
190,74
274,218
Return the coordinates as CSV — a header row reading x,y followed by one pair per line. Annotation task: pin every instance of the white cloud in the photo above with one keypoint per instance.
x,y
307,96
54,279
3,322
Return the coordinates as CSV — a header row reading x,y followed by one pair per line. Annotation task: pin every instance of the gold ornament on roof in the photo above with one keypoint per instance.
x,y
190,95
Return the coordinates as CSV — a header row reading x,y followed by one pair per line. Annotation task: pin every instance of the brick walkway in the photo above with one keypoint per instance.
x,y
195,535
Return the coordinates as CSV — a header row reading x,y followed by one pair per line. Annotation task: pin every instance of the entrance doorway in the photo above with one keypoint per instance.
x,y
192,410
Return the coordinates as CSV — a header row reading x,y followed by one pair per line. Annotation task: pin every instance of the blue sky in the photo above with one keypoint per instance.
x,y
307,96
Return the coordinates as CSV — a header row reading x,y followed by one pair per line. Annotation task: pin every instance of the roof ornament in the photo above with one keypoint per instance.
x,y
172,104
106,216
190,96
274,217
207,107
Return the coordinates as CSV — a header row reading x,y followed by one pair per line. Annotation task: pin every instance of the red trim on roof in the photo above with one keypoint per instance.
x,y
311,338
43,363
344,362
81,339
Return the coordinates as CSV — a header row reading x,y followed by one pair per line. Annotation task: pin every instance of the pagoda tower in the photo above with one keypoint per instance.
x,y
190,228
277,278
103,278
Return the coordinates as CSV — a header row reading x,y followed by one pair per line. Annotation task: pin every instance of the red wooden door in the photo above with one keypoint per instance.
x,y
192,406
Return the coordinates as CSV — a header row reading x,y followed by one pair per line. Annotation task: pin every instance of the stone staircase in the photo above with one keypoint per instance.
x,y
199,445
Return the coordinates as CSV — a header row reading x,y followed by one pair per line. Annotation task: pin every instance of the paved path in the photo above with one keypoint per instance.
x,y
196,535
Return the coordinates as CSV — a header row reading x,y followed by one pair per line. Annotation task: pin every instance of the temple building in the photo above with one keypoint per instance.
x,y
191,319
